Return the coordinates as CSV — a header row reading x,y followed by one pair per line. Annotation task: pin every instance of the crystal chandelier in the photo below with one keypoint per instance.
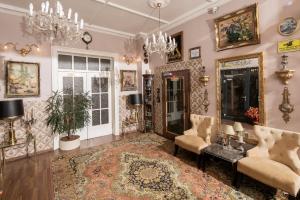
x,y
54,25
160,43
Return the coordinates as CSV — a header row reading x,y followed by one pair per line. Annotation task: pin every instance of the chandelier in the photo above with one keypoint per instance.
x,y
159,43
54,25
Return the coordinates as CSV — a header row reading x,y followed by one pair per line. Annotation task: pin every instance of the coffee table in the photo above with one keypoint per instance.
x,y
223,153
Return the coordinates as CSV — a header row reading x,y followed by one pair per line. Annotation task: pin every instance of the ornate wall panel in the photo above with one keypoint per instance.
x,y
196,95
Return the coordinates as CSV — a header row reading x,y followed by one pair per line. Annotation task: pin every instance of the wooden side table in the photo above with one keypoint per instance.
x,y
23,142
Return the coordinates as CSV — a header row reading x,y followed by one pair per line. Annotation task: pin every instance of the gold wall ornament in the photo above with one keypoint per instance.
x,y
24,50
204,78
285,74
129,59
286,107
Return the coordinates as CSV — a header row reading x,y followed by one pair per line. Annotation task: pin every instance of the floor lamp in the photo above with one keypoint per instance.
x,y
136,101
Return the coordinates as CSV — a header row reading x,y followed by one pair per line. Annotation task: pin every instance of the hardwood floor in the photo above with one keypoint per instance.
x,y
31,179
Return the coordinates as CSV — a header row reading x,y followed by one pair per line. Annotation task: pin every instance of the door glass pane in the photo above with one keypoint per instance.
x,y
104,84
104,116
78,85
67,85
96,117
95,101
93,64
175,105
79,63
95,85
64,62
104,100
68,102
105,64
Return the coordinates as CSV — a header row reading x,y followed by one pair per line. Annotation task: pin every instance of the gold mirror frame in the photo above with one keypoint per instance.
x,y
262,117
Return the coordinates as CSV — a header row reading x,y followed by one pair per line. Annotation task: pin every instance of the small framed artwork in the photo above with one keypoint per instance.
x,y
22,79
128,80
288,26
289,45
195,52
237,29
177,55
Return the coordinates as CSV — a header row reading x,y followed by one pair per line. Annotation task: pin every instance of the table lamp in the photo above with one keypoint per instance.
x,y
228,130
237,126
135,100
11,111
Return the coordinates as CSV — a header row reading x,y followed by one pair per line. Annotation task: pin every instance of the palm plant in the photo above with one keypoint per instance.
x,y
68,113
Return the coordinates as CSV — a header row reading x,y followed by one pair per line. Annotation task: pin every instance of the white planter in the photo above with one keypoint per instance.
x,y
67,145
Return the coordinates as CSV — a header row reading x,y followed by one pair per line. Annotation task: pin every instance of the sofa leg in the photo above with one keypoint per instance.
x,y
199,159
176,150
237,180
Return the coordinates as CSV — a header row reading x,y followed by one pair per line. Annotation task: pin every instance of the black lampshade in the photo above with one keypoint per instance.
x,y
11,109
135,99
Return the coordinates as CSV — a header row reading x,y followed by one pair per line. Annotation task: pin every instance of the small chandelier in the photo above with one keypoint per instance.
x,y
53,25
160,43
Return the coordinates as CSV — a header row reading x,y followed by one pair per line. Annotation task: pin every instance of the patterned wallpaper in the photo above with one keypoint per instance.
x,y
196,95
40,130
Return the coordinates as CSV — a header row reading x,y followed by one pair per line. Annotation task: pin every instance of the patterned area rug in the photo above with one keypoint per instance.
x,y
144,168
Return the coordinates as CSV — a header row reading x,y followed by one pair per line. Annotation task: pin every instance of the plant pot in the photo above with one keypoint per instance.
x,y
69,143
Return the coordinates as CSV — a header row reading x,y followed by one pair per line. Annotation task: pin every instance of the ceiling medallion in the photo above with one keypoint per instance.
x,y
160,42
53,25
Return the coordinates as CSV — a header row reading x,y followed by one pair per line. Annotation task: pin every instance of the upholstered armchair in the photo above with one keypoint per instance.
x,y
196,138
274,161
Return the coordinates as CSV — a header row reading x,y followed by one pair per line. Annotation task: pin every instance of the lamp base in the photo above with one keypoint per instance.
x,y
11,134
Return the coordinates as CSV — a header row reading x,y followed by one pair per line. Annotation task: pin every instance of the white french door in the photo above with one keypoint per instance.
x,y
80,74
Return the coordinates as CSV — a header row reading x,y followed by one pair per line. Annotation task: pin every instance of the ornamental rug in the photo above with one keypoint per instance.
x,y
143,168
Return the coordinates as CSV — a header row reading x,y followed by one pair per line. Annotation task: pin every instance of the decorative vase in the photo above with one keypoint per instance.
x,y
67,144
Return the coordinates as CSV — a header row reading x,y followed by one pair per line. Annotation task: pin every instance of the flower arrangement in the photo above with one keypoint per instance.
x,y
253,114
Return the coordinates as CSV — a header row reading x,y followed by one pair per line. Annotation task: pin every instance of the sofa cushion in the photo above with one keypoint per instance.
x,y
191,143
270,172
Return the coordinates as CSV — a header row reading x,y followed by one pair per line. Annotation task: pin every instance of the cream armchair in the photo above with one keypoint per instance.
x,y
274,161
196,138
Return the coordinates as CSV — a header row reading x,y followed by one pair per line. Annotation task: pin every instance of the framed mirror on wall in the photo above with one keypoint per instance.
x,y
240,90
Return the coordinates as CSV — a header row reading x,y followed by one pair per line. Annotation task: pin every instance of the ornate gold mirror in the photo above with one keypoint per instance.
x,y
240,90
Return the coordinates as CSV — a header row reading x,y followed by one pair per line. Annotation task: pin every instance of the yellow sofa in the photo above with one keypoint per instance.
x,y
196,138
274,161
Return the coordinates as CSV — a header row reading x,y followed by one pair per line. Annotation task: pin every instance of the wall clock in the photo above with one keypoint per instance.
x,y
87,39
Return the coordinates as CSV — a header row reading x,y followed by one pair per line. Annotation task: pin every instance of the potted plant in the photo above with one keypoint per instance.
x,y
66,115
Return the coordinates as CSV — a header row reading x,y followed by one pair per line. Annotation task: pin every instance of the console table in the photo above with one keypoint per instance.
x,y
223,153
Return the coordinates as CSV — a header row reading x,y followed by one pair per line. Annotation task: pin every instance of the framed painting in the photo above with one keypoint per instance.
x,y
288,26
177,55
22,79
289,45
237,29
128,80
195,52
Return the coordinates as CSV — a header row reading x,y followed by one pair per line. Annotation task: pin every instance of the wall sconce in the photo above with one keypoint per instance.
x,y
203,78
130,59
285,74
24,50
286,107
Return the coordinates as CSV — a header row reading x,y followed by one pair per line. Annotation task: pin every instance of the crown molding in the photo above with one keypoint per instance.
x,y
129,10
198,11
17,11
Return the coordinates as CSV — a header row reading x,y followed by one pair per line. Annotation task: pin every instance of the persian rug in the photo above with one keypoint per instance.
x,y
143,168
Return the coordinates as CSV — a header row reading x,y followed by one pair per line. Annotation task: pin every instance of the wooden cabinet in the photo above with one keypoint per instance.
x,y
148,92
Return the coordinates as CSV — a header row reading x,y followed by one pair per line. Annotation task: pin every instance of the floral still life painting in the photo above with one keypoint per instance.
x,y
22,79
128,80
237,29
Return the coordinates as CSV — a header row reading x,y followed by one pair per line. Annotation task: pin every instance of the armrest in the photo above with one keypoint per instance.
x,y
189,132
256,152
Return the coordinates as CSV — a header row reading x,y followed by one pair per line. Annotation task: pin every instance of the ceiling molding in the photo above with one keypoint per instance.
x,y
17,11
131,11
198,11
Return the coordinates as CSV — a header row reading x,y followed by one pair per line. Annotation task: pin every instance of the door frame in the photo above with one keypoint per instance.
x,y
115,85
186,74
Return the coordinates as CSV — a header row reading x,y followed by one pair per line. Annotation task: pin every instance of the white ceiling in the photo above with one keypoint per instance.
x,y
123,17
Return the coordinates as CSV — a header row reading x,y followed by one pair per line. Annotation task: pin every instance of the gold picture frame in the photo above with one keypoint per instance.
x,y
128,80
177,55
261,98
195,53
237,29
22,79
288,26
